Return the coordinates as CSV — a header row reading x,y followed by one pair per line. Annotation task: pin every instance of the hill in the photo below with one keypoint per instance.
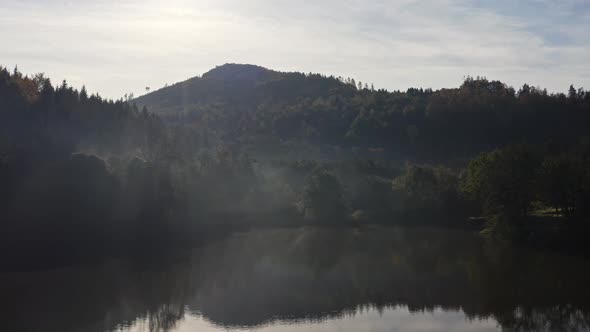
x,y
265,111
231,83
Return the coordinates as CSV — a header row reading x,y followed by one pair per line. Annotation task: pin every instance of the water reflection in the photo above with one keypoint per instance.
x,y
379,279
391,319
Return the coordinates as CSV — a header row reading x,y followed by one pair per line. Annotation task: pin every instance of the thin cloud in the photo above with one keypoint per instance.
x,y
117,48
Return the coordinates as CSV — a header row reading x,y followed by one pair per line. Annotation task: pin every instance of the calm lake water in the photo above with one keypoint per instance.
x,y
311,279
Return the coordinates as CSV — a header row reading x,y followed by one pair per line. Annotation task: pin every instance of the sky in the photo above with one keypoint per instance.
x,y
116,46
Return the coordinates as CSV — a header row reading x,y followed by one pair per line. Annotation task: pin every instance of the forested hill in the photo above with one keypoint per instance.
x,y
235,84
269,111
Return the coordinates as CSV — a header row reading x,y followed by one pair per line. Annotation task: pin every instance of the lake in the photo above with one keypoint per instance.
x,y
311,279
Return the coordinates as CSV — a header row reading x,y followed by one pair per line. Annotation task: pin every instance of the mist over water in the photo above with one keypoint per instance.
x,y
311,279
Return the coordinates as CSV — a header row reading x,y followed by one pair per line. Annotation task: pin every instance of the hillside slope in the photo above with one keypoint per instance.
x,y
273,112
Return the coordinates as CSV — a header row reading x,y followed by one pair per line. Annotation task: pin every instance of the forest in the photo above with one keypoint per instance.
x,y
296,115
85,177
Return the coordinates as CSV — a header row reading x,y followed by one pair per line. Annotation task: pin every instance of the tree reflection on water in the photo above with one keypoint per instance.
x,y
308,275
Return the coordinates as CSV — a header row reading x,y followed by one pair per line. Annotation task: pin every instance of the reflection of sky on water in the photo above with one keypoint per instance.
x,y
389,320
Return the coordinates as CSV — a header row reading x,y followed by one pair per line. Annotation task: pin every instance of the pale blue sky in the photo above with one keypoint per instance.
x,y
115,47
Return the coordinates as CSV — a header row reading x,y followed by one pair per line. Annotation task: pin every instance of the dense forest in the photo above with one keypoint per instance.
x,y
296,115
242,146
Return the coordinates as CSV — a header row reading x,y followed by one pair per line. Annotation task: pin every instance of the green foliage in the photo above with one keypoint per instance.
x,y
269,109
426,189
82,182
323,197
507,182
561,181
33,110
503,180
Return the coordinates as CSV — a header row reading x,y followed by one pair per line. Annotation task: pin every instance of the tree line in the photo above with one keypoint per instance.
x,y
84,177
268,112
